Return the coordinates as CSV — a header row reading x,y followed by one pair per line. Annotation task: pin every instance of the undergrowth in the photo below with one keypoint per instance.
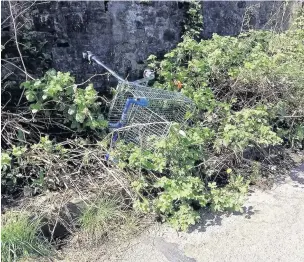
x,y
100,217
248,92
249,97
20,237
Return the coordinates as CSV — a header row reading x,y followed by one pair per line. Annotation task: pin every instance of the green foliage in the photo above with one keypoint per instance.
x,y
194,20
248,127
248,92
19,237
258,67
184,217
11,162
178,195
5,161
230,197
165,157
179,189
174,202
58,93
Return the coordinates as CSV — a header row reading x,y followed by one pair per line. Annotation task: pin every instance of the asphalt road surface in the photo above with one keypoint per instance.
x,y
270,229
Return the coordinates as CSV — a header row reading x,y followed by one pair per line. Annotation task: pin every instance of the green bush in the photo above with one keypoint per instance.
x,y
49,164
248,127
32,165
248,92
179,198
257,67
57,93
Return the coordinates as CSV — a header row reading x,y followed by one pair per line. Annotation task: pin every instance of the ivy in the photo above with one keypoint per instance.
x,y
178,195
248,127
57,91
245,89
194,21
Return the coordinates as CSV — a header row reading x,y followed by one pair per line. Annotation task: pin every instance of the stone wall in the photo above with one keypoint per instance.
x,y
230,17
124,34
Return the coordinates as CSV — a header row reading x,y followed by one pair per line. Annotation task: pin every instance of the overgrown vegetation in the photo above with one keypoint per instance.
x,y
248,91
96,217
249,97
106,217
20,237
57,92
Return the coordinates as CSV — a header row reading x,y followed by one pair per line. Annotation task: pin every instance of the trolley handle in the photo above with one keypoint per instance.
x,y
148,74
91,57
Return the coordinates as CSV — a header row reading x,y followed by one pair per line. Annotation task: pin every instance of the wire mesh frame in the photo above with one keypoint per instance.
x,y
141,134
144,124
171,106
154,119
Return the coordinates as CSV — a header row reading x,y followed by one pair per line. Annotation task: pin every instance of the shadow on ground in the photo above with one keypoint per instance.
x,y
209,218
297,174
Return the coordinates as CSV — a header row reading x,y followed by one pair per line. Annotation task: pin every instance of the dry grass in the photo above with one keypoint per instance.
x,y
99,218
107,218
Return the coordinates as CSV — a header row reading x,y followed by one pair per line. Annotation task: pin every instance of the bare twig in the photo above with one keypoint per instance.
x,y
25,72
16,39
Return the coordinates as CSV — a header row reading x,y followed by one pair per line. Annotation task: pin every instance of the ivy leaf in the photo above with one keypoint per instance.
x,y
71,89
30,96
182,133
72,110
80,117
37,83
5,160
26,85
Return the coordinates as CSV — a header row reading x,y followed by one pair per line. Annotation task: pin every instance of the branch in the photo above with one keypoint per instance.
x,y
16,40
27,74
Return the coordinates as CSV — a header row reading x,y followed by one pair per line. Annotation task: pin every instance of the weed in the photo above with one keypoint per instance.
x,y
99,217
20,237
248,92
256,172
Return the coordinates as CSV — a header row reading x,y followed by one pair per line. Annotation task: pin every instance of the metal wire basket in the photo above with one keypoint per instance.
x,y
139,112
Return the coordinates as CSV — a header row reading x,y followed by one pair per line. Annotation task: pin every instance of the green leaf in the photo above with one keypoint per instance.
x,y
72,110
30,96
5,160
229,170
80,117
35,107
